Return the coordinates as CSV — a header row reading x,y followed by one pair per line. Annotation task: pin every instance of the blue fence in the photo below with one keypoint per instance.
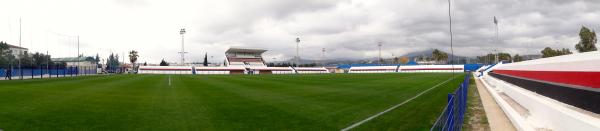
x,y
453,115
17,73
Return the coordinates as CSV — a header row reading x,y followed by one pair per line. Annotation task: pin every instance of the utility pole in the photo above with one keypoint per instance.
x,y
379,45
323,56
497,40
20,52
47,62
297,51
181,32
451,37
78,56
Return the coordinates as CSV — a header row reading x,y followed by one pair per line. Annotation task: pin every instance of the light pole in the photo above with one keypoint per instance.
x,y
323,56
496,57
79,57
497,40
451,37
20,52
182,32
379,44
297,51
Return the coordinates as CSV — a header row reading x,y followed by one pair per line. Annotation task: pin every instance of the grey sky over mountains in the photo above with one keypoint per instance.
x,y
346,28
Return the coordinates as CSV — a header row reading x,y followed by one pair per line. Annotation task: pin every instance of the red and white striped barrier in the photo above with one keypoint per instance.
x,y
220,70
311,70
373,69
557,93
165,70
581,69
272,70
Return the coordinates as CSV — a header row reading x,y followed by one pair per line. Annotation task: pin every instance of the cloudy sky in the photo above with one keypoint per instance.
x,y
346,28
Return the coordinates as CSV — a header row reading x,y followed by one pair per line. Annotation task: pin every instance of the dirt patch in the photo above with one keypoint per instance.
x,y
475,118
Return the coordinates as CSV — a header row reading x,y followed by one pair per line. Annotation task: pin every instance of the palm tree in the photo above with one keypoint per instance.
x,y
133,56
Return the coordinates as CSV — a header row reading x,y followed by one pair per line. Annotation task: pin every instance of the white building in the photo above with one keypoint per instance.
x,y
84,63
17,51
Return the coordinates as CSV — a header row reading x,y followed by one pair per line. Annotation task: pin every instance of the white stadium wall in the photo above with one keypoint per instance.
x,y
220,70
311,70
431,68
272,70
165,70
373,69
407,69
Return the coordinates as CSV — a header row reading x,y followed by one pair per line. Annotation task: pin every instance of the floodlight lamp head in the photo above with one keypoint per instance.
x,y
182,31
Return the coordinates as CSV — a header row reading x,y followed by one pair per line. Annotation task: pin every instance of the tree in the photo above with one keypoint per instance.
x,y
40,60
133,57
564,51
112,63
439,55
587,40
6,58
504,57
549,52
205,59
3,48
26,61
487,59
163,63
517,58
97,59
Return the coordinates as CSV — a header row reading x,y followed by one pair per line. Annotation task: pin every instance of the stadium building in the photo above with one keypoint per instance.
x,y
237,61
244,57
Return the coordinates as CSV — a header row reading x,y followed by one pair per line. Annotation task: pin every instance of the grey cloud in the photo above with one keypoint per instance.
x,y
351,28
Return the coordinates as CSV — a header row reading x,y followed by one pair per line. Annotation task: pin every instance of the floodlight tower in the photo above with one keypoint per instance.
x,y
497,39
379,44
323,56
297,51
181,32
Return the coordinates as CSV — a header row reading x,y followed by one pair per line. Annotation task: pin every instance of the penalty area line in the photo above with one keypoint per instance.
x,y
169,80
393,107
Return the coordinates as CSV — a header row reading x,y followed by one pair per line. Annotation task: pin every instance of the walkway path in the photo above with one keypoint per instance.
x,y
496,117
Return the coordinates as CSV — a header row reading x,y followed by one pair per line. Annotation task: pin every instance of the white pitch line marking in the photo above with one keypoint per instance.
x,y
393,107
169,80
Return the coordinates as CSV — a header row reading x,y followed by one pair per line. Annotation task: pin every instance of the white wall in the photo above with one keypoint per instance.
x,y
274,70
311,70
431,68
587,61
373,69
217,70
164,70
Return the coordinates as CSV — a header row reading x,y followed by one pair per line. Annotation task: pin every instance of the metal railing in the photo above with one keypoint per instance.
x,y
453,115
30,73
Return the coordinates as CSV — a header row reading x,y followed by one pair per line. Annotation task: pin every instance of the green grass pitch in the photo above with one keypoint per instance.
x,y
224,102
